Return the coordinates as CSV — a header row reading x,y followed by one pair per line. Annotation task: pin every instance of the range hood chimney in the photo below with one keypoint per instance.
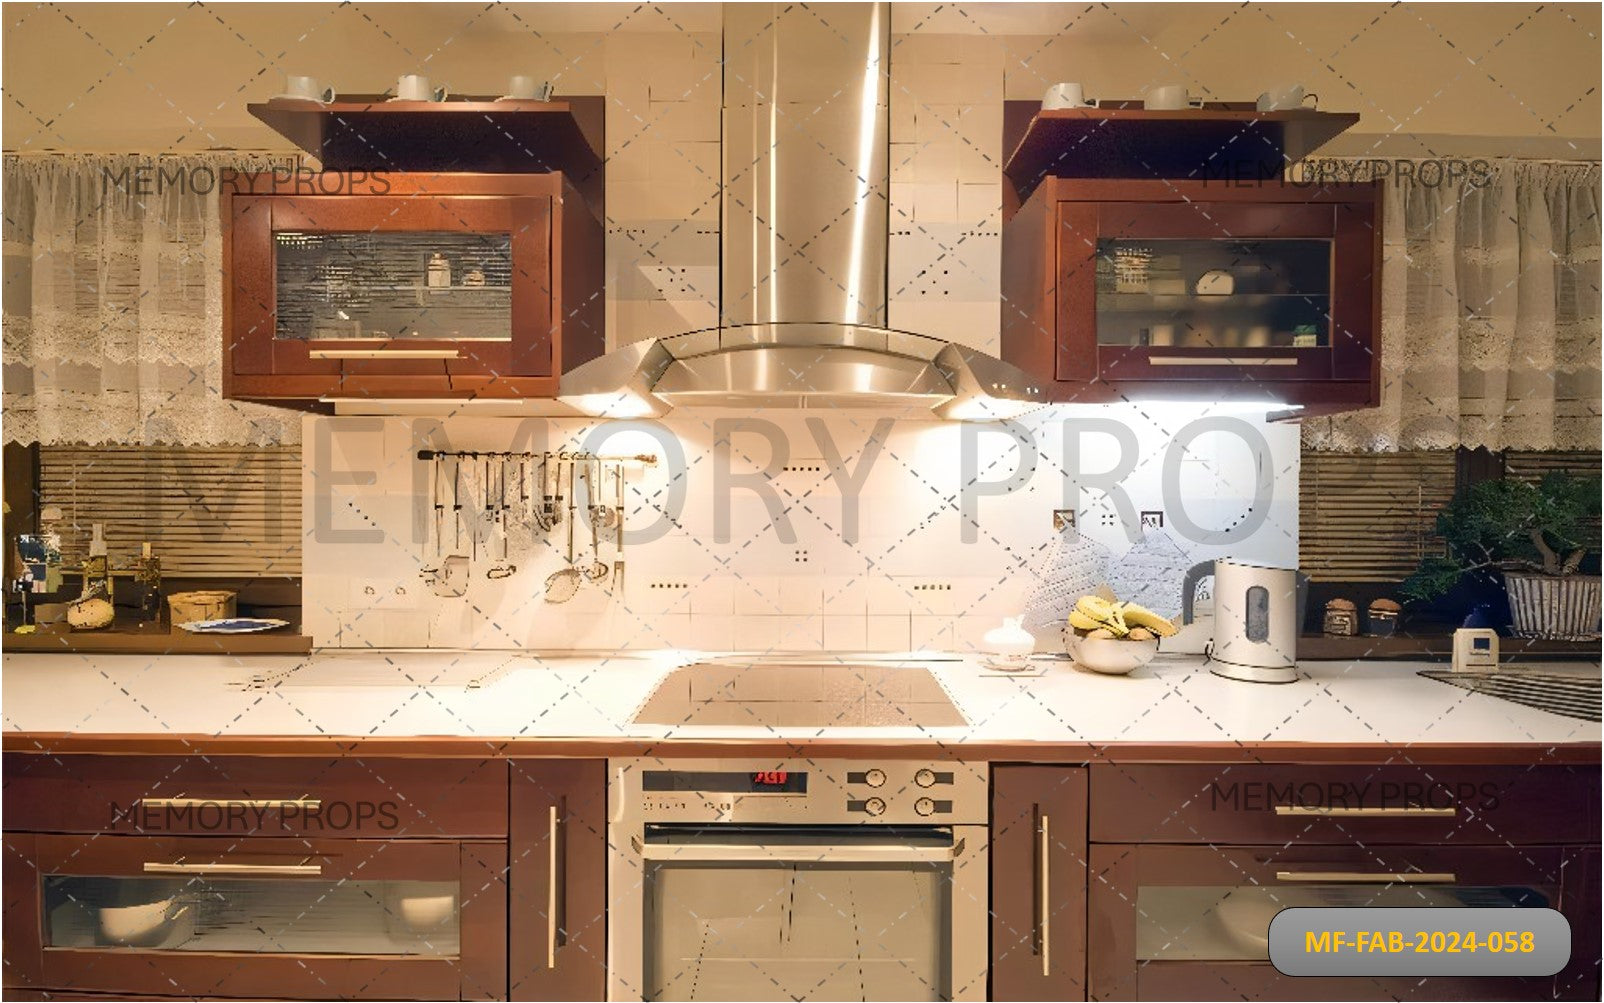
x,y
804,235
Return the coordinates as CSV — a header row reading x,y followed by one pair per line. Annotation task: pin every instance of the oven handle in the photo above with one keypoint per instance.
x,y
781,853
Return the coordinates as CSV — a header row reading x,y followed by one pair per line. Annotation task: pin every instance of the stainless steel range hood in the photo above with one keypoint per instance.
x,y
806,203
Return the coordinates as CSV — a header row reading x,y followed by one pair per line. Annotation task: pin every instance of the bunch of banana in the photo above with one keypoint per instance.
x,y
1101,617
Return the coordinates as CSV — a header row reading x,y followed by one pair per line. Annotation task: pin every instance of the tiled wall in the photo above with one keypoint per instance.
x,y
912,578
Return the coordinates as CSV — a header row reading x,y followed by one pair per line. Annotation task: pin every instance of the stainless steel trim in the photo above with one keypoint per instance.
x,y
235,870
1410,811
168,804
551,890
384,353
1219,360
1365,878
783,853
1044,923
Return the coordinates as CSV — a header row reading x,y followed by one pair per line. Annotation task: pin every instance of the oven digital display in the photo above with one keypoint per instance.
x,y
726,781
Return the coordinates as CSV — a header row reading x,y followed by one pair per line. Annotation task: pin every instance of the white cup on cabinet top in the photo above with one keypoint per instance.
x,y
307,89
415,87
1284,97
1170,97
521,88
1066,95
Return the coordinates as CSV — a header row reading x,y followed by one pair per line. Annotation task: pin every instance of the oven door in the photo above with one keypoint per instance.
x,y
766,912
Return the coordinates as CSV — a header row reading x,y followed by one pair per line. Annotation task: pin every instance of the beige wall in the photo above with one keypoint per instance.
x,y
1491,79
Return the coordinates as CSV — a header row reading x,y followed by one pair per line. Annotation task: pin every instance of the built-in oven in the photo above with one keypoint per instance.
x,y
797,880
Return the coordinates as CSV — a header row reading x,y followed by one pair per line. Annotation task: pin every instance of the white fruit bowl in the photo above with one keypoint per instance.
x,y
1109,655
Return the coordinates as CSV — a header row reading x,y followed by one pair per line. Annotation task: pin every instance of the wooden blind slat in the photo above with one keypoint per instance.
x,y
1370,517
212,511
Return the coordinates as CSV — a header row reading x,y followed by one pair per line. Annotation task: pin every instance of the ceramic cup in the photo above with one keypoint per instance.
x,y
1286,96
307,88
1170,97
1067,95
415,87
1161,335
1258,336
528,89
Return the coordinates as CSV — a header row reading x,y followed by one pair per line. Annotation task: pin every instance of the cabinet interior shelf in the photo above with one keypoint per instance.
x,y
1150,302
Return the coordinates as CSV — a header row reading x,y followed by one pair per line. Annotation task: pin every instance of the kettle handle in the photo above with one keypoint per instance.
x,y
1194,574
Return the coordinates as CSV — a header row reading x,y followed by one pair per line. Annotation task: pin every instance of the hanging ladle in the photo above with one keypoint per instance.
x,y
562,584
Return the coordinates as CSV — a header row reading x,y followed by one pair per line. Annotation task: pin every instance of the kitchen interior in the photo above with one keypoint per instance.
x,y
581,501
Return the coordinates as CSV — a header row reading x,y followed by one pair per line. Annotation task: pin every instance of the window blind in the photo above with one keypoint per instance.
x,y
1370,517
206,512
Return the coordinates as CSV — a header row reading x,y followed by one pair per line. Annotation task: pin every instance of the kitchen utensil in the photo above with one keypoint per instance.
x,y
1066,95
456,502
1111,656
618,541
235,625
1257,614
597,569
148,925
611,514
593,495
562,584
450,581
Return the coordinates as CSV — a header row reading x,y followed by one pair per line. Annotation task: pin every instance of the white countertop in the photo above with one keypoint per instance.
x,y
401,694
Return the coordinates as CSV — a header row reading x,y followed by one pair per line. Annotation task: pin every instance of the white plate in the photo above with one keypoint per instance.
x,y
233,625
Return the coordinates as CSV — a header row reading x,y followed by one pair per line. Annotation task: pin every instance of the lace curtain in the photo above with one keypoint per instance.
x,y
113,313
1490,329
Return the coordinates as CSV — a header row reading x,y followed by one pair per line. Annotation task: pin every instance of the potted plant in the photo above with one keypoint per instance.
x,y
1534,535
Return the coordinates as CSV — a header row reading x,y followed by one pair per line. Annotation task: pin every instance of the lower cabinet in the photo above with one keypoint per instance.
x,y
557,919
1038,883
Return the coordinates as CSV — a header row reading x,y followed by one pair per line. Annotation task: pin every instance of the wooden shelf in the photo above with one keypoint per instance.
x,y
1323,647
157,641
370,133
1225,142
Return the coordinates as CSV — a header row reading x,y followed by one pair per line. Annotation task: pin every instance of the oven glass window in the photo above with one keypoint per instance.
x,y
796,931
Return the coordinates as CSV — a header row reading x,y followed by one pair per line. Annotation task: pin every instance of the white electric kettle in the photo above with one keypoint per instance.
x,y
1258,613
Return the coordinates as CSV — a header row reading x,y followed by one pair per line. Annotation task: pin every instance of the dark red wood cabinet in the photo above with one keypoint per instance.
x,y
1265,292
1038,882
392,285
558,880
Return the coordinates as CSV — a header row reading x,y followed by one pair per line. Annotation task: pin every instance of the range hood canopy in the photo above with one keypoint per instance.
x,y
804,235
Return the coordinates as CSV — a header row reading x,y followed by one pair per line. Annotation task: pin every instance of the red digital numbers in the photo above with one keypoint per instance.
x,y
769,778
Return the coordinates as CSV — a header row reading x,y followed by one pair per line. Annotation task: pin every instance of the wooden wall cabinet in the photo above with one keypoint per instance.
x,y
1196,290
372,285
1038,882
558,879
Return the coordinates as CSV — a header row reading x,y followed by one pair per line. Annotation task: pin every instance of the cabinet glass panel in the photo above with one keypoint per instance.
x,y
1232,922
1214,293
263,915
414,285
722,931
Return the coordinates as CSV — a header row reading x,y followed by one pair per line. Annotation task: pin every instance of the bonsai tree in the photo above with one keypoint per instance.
x,y
1510,525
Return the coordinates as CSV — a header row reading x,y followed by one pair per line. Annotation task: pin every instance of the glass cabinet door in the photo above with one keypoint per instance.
x,y
425,285
264,915
1221,294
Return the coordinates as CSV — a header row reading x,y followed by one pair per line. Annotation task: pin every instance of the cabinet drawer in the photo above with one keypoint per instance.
x,y
1342,804
305,796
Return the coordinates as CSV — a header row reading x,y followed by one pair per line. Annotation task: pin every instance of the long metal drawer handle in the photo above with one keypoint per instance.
x,y
1410,811
1365,878
551,890
168,804
384,353
1218,360
783,853
1046,888
236,870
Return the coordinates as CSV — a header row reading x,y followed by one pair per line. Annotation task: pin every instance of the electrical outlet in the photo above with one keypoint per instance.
x,y
1063,518
1152,519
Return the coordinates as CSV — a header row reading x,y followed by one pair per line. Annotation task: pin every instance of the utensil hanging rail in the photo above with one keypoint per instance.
x,y
645,459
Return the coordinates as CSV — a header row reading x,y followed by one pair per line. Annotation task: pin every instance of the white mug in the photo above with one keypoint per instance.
x,y
1285,96
415,87
1066,95
1170,97
308,89
527,89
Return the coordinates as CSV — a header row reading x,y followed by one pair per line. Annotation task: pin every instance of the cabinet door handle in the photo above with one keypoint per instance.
x,y
307,805
552,897
1406,811
384,353
1221,360
234,870
1367,878
1044,920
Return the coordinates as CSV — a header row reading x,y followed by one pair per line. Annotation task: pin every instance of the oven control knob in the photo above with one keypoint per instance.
x,y
925,778
874,778
924,806
875,806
